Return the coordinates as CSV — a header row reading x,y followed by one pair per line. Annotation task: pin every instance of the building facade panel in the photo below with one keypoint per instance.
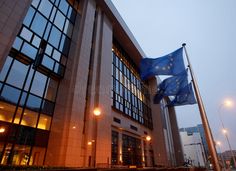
x,y
70,57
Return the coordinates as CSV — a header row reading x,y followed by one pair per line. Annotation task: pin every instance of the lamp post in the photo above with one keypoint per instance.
x,y
227,103
218,143
96,113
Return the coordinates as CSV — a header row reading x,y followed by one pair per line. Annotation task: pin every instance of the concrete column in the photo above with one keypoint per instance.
x,y
158,138
65,147
179,157
12,14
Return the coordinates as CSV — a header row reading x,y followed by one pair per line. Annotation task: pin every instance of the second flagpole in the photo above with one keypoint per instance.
x,y
205,123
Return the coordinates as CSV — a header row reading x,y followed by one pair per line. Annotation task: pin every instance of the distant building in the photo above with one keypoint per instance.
x,y
198,128
193,149
227,156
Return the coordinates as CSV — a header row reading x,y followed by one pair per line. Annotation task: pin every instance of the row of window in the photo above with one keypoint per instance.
x,y
46,33
130,95
29,80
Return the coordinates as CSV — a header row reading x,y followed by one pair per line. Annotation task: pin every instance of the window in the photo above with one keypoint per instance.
x,y
29,118
114,147
30,77
130,93
44,122
54,37
39,24
33,102
131,151
6,111
17,74
5,68
10,94
38,84
45,8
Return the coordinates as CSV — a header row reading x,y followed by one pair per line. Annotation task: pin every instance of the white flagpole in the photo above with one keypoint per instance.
x,y
205,123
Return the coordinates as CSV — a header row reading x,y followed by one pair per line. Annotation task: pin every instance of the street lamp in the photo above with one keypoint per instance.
x,y
227,103
96,113
2,130
221,156
148,138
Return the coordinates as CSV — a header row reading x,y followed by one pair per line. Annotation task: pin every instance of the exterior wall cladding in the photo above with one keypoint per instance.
x,y
60,60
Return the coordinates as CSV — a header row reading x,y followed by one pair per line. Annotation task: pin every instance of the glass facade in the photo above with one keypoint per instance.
x,y
30,78
130,95
114,148
131,150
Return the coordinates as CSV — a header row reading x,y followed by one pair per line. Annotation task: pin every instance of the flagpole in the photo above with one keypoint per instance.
x,y
206,126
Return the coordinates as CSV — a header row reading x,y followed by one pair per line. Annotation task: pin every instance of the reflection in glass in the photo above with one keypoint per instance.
x,y
6,111
20,155
26,34
64,46
63,6
68,28
29,16
44,122
39,24
29,118
17,74
48,50
34,102
29,50
53,14
5,68
17,43
6,154
10,94
56,55
47,107
35,3
36,41
48,62
18,115
59,20
38,84
45,8
29,78
54,37
51,90
47,31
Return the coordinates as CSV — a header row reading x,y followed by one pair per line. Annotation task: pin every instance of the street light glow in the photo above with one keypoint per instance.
x,y
228,103
224,131
218,143
148,138
97,111
2,130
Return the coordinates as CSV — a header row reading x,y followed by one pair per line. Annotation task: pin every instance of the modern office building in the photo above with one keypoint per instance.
x,y
198,129
62,59
194,153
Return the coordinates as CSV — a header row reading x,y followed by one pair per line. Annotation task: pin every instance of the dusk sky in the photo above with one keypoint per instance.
x,y
208,27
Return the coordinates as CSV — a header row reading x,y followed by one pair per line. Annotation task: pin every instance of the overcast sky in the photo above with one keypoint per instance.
x,y
208,27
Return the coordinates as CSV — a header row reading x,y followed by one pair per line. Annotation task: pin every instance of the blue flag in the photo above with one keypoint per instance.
x,y
184,97
170,64
171,86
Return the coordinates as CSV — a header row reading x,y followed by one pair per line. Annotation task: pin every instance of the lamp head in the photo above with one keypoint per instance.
x,y
228,103
97,111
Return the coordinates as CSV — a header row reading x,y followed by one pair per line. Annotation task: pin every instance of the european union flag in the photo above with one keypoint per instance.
x,y
184,97
171,86
170,64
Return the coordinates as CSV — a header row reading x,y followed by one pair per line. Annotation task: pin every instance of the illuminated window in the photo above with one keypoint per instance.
x,y
6,112
130,94
44,122
29,118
